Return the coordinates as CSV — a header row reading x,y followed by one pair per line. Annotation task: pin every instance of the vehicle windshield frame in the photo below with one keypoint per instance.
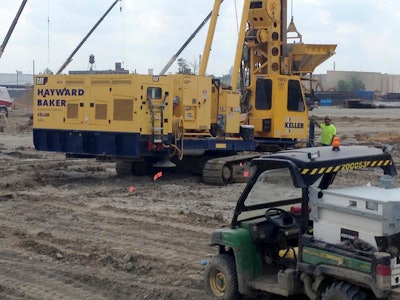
x,y
306,172
257,169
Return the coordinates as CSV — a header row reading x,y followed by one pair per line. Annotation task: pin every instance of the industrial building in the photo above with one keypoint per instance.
x,y
17,83
380,84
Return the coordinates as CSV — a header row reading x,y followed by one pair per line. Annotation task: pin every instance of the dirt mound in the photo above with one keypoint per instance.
x,y
25,101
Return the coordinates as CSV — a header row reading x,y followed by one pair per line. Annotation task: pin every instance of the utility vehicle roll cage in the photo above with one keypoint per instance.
x,y
310,164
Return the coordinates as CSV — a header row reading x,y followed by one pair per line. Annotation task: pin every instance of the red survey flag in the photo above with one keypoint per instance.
x,y
157,175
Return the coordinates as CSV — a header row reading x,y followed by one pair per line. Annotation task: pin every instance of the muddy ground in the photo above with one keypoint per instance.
x,y
72,229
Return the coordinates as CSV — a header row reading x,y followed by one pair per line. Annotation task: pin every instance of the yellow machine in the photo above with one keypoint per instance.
x,y
143,121
271,71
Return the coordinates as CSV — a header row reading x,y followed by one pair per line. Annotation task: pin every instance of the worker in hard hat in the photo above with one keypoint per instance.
x,y
328,131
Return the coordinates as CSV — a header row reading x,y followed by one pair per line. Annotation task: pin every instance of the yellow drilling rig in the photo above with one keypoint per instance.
x,y
145,122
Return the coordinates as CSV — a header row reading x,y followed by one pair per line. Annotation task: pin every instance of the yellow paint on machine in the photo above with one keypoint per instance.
x,y
220,146
124,102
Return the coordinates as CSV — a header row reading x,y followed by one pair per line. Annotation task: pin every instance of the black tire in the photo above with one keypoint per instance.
x,y
221,278
344,291
4,110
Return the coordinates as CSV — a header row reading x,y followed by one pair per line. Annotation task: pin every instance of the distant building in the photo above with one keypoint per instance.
x,y
377,82
17,83
16,79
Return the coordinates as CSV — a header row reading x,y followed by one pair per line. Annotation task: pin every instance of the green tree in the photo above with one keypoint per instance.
x,y
354,84
226,79
195,65
183,67
357,84
342,86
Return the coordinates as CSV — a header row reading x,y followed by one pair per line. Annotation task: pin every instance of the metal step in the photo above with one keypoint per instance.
x,y
155,105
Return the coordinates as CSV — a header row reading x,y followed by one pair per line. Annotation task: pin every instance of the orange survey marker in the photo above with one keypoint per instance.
x,y
157,175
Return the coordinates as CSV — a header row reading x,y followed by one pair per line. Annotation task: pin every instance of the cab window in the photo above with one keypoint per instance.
x,y
295,96
263,94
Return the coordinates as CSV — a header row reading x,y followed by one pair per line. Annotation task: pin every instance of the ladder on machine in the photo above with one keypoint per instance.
x,y
157,118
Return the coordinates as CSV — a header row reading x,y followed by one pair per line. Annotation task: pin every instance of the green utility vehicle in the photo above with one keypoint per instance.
x,y
300,228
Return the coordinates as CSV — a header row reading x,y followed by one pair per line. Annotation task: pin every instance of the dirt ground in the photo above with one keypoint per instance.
x,y
72,229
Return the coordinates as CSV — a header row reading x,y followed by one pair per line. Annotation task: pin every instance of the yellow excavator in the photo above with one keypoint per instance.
x,y
147,122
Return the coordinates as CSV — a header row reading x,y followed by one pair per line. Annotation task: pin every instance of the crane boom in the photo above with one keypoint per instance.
x,y
210,37
11,29
175,56
69,59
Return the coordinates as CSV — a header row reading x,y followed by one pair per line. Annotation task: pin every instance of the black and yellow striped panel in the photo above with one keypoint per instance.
x,y
348,166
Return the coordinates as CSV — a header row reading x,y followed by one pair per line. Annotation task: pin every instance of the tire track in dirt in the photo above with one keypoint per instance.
x,y
33,275
110,235
133,283
24,279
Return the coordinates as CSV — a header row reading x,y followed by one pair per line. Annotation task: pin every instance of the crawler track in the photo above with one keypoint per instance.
x,y
229,169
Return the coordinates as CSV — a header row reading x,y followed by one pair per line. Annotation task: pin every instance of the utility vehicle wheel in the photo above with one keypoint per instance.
x,y
221,279
4,111
344,291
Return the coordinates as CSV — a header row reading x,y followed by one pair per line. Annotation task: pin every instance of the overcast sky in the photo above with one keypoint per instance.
x,y
145,34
